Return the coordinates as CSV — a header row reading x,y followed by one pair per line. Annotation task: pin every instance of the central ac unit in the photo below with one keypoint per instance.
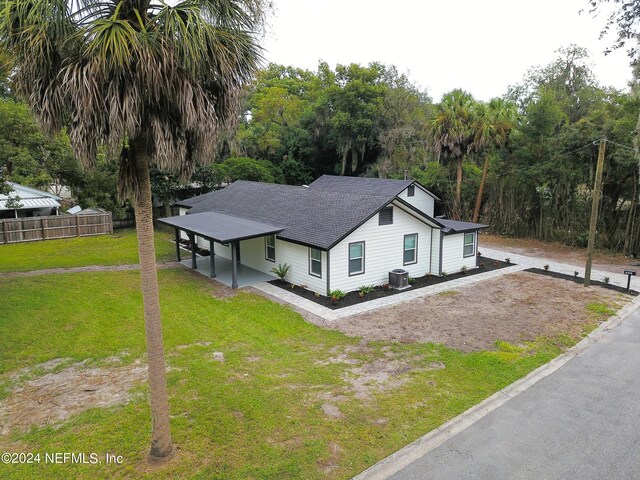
x,y
399,279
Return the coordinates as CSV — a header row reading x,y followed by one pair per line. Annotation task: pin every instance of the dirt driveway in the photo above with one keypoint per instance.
x,y
610,262
514,308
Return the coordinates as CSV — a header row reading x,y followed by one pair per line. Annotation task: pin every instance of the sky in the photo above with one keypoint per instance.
x,y
479,46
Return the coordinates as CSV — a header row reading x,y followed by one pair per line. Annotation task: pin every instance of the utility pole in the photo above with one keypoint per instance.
x,y
597,189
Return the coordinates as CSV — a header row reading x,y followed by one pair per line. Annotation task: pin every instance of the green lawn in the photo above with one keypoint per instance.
x,y
121,248
257,415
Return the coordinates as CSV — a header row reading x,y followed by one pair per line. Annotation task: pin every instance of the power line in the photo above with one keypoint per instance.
x,y
590,144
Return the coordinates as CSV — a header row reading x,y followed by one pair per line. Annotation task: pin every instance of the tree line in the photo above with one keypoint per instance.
x,y
523,163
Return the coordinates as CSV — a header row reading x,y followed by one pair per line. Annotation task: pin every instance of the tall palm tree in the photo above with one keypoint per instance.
x,y
154,83
451,133
492,123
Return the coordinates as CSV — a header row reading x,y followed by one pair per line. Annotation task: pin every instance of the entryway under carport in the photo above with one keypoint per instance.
x,y
246,276
223,229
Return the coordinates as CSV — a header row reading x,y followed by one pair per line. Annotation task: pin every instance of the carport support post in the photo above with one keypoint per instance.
x,y
234,265
178,244
192,240
212,259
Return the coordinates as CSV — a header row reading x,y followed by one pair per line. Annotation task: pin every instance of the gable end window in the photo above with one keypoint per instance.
x,y
315,262
410,249
385,217
356,258
411,190
469,244
270,248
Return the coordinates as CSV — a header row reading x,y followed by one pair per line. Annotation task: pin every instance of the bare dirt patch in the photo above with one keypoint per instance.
x,y
607,261
514,308
54,397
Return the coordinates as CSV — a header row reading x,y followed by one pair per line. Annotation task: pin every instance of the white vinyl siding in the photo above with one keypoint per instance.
x,y
435,251
453,258
294,255
383,251
421,200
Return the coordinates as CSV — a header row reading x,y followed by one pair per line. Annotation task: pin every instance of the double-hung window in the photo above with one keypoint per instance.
x,y
315,262
270,248
410,250
469,244
356,258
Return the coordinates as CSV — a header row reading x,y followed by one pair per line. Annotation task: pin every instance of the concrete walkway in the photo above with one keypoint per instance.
x,y
521,262
576,417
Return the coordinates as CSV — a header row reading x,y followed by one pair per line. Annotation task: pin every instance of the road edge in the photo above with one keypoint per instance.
x,y
408,454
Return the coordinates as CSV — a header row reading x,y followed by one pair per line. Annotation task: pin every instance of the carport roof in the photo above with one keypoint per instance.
x,y
220,227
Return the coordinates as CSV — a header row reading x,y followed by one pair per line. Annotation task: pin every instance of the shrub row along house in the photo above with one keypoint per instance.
x,y
338,233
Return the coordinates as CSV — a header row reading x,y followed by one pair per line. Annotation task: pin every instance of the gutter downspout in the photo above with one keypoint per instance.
x,y
441,244
328,271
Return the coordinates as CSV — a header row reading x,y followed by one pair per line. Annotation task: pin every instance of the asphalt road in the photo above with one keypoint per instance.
x,y
581,422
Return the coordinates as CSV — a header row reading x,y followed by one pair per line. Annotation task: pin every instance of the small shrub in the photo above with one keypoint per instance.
x,y
385,286
292,286
607,280
508,260
546,268
365,289
479,254
336,295
444,274
463,269
411,280
317,295
576,273
495,264
481,265
281,271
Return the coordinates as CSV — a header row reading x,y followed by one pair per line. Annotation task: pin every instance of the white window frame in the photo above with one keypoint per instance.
x,y
361,271
267,247
415,249
317,260
465,244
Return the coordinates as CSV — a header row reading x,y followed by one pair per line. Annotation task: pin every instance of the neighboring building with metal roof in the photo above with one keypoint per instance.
x,y
337,233
25,201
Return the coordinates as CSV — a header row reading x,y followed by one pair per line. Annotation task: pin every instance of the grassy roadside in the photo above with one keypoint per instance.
x,y
121,248
291,400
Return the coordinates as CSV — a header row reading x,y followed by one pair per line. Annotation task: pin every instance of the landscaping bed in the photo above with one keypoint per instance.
x,y
379,291
580,280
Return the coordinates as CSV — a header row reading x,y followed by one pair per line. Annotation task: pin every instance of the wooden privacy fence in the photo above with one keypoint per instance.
x,y
15,230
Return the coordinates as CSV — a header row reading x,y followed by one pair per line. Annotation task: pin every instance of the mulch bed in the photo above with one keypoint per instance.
x,y
580,280
353,298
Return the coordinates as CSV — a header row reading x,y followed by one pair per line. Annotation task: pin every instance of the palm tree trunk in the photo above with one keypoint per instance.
x,y
485,170
458,203
161,446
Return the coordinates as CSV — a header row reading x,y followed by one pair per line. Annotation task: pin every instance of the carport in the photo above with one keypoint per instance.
x,y
221,228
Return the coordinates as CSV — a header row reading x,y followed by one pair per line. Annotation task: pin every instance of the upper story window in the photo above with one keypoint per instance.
x,y
411,190
469,244
270,248
385,217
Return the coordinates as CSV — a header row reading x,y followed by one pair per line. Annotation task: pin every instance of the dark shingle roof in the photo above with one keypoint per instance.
x,y
362,185
455,226
365,185
319,218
